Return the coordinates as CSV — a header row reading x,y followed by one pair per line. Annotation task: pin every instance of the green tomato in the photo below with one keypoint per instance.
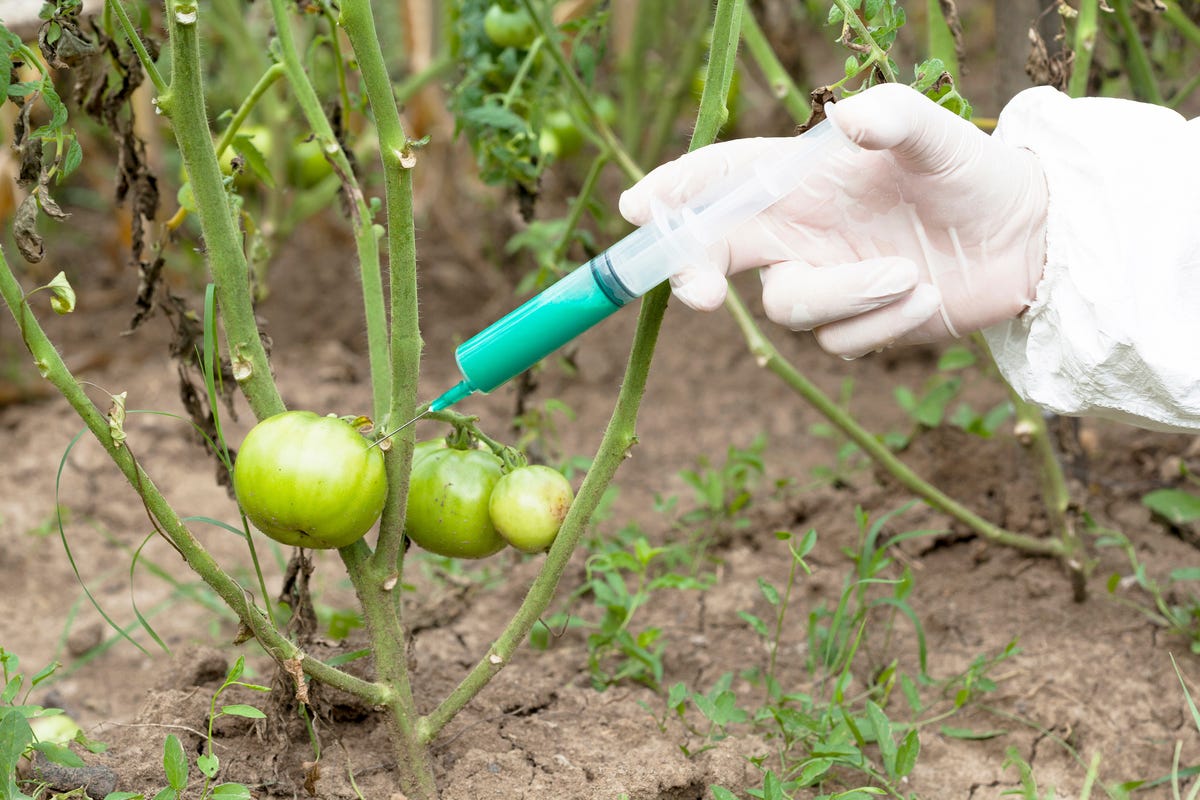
x,y
307,165
260,138
529,505
559,136
310,481
448,503
422,449
509,28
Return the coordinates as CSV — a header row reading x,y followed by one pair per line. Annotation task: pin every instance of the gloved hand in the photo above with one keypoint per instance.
x,y
931,229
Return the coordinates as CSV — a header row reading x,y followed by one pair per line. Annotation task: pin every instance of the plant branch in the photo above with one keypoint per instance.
x,y
365,238
783,85
878,56
770,358
184,104
398,159
156,78
1086,28
1141,74
53,368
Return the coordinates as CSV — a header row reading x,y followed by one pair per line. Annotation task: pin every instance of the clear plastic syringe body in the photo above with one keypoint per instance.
x,y
672,240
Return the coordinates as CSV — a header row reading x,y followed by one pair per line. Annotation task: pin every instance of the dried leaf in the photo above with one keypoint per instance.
x,y
29,242
116,419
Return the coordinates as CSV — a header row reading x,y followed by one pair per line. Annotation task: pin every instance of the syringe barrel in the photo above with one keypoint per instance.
x,y
677,238
537,328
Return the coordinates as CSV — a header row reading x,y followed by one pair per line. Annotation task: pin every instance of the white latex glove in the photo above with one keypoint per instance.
x,y
932,229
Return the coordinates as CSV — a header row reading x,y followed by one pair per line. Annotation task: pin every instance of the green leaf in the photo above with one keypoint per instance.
x,y
236,670
883,736
124,796
15,736
63,296
231,791
768,591
208,763
967,733
58,754
721,793
956,358
1176,505
175,763
71,160
906,754
754,622
243,710
167,794
244,146
1186,574
493,116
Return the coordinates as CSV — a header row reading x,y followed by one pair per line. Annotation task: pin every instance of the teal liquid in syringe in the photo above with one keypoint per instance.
x,y
633,266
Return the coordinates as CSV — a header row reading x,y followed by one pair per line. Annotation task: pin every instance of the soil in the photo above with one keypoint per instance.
x,y
1090,680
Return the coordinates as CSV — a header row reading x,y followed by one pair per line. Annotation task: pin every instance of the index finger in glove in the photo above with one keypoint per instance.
x,y
676,182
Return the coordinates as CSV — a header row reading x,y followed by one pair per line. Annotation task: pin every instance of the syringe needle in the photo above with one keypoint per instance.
x,y
397,430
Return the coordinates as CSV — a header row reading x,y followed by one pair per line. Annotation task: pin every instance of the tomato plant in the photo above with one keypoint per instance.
x,y
507,28
529,505
448,503
309,481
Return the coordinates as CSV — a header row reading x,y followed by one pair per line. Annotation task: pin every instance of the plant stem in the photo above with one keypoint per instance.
x,y
156,78
718,76
405,344
783,85
1175,15
265,82
184,104
389,649
1141,75
676,91
603,129
1056,498
878,56
619,436
52,367
770,358
1086,27
365,238
579,204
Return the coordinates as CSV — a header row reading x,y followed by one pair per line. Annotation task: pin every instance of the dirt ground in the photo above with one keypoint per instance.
x,y
1091,680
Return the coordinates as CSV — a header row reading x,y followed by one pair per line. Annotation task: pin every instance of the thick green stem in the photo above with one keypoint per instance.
x,y
376,591
1086,28
366,241
1141,74
782,83
722,56
1175,15
619,436
398,160
183,103
770,358
52,367
1056,497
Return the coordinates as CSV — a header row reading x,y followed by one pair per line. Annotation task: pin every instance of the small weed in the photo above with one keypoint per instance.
x,y
931,407
1174,606
27,728
622,579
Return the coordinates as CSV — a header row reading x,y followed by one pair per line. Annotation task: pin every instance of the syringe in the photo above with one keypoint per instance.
x,y
635,265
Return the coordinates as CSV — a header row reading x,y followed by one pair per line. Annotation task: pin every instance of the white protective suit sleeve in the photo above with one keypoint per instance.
x,y
1114,329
